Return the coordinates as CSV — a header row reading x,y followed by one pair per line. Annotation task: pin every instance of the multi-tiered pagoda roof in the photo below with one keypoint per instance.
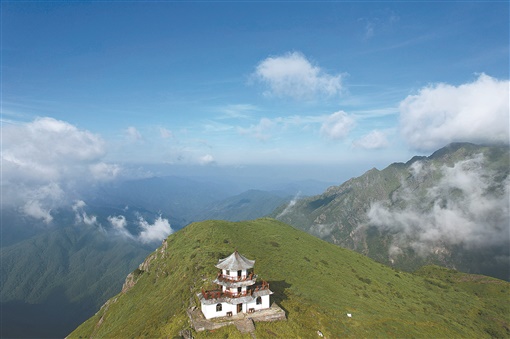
x,y
235,262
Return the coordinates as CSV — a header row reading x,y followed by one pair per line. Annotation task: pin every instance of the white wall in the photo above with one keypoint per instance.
x,y
209,311
253,304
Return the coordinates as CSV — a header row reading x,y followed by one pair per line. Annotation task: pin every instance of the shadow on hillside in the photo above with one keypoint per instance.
x,y
279,287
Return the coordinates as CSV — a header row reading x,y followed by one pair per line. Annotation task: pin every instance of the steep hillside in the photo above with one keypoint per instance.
x,y
315,282
52,282
450,209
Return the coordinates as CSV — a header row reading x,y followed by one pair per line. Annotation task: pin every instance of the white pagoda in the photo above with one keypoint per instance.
x,y
239,293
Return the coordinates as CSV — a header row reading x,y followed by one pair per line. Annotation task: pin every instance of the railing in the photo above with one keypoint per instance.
x,y
216,294
224,277
263,286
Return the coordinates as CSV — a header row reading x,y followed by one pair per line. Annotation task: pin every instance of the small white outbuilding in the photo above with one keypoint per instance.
x,y
238,290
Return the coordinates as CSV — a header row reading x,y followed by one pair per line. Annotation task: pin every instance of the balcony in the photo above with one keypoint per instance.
x,y
219,294
229,278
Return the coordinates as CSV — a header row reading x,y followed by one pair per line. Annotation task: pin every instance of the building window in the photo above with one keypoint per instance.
x,y
218,308
259,301
228,272
239,273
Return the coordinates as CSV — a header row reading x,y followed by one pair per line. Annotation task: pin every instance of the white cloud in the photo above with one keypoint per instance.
x,y
463,208
373,140
45,149
292,75
34,209
155,232
81,216
474,112
206,160
337,125
369,30
119,224
45,161
150,232
165,133
322,230
104,171
290,206
36,201
237,111
79,205
133,134
260,131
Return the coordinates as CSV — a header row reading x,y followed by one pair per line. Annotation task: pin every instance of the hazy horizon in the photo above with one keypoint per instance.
x,y
96,91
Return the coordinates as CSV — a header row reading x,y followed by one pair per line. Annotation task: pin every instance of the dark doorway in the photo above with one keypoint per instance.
x,y
239,308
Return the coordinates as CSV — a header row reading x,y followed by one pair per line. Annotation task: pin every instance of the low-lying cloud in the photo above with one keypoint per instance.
x,y
157,231
46,161
439,114
289,206
465,208
81,216
150,233
34,209
119,224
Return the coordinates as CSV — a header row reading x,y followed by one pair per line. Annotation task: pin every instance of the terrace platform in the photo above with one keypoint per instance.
x,y
199,323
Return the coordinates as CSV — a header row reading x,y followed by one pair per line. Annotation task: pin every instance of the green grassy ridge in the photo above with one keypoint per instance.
x,y
315,282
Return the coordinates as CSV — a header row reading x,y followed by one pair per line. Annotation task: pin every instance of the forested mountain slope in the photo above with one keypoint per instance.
x,y
450,209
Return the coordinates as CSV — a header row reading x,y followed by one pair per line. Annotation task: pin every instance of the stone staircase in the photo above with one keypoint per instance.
x,y
245,325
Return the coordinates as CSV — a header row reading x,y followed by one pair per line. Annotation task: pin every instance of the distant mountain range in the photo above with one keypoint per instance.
x,y
317,284
450,209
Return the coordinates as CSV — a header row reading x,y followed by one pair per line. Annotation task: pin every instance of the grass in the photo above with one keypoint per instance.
x,y
315,282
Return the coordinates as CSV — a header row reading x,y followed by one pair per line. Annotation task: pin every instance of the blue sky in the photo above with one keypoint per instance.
x,y
90,86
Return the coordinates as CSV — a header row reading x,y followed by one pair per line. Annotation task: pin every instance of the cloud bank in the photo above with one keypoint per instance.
x,y
475,112
465,208
292,75
44,162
